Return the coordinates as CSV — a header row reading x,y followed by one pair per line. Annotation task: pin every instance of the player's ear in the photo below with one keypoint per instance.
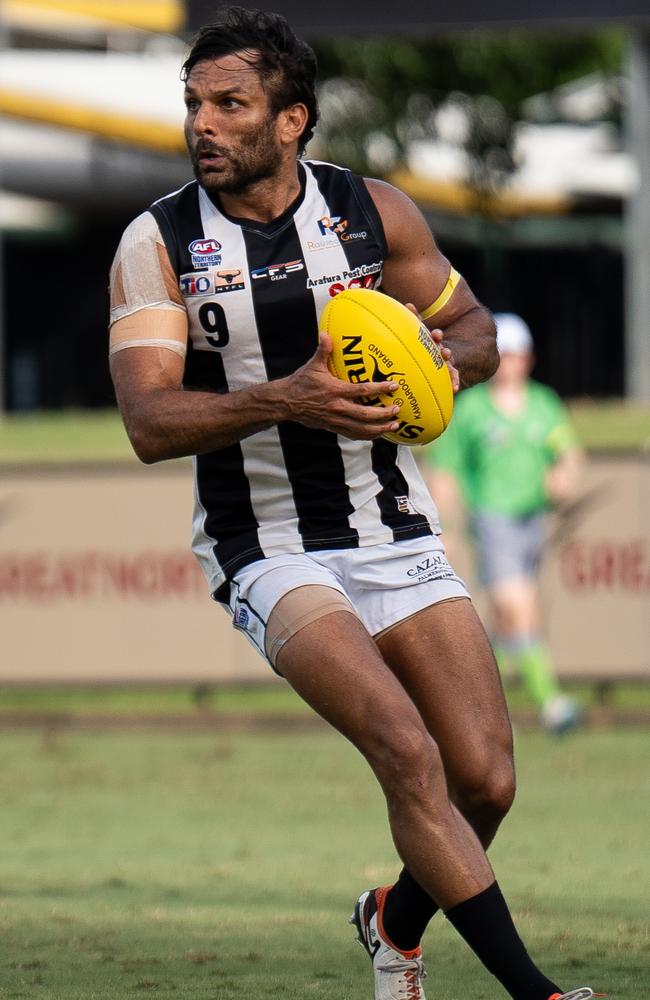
x,y
292,122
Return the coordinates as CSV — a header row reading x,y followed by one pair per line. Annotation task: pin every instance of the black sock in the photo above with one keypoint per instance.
x,y
407,911
485,923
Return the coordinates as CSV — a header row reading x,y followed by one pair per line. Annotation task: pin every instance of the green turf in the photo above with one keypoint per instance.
x,y
91,435
67,435
612,424
274,697
223,867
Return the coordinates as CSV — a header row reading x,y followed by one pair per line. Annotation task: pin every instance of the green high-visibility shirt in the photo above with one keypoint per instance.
x,y
500,460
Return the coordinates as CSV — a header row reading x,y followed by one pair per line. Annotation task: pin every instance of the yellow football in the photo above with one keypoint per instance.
x,y
375,338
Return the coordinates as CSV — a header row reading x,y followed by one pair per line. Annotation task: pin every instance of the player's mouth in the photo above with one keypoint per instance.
x,y
210,158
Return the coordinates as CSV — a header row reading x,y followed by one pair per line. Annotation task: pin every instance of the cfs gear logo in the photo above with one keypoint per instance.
x,y
332,226
205,252
277,272
228,281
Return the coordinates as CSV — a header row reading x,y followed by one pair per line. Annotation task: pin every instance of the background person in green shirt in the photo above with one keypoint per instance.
x,y
512,451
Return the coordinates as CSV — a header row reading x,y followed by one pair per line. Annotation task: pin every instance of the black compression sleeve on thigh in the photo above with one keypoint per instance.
x,y
407,911
485,923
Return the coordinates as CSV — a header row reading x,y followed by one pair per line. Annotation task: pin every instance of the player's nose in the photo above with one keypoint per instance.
x,y
204,123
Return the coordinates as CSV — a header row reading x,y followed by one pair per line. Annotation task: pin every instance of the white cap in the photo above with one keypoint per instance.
x,y
513,335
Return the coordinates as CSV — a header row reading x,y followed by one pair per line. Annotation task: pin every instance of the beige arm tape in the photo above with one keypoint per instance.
x,y
151,327
445,295
170,345
298,608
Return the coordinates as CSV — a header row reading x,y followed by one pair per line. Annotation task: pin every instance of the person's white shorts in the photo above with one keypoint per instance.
x,y
385,584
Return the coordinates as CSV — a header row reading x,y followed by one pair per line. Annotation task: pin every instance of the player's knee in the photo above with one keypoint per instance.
x,y
500,790
406,761
488,792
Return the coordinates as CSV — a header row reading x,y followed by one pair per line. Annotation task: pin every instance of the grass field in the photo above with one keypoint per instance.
x,y
223,866
92,435
270,699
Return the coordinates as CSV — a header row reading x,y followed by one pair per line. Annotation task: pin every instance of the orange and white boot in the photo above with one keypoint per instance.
x,y
398,974
581,993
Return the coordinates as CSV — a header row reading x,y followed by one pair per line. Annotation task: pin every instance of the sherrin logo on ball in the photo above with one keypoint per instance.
x,y
375,339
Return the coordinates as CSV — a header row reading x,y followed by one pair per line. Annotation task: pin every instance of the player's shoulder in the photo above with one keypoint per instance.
x,y
142,229
386,196
146,226
404,225
389,198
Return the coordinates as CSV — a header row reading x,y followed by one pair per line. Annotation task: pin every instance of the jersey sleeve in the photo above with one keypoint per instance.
x,y
142,276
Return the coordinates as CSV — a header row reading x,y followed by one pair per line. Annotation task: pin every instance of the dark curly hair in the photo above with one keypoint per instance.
x,y
286,64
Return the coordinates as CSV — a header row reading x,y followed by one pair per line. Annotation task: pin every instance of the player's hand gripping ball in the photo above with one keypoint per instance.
x,y
377,339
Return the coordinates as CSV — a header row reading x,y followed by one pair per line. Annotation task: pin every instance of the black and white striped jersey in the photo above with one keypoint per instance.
x,y
253,293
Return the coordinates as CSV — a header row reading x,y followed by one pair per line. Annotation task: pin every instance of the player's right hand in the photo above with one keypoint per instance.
x,y
317,399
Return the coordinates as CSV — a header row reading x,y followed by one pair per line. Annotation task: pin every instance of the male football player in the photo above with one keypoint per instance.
x,y
309,525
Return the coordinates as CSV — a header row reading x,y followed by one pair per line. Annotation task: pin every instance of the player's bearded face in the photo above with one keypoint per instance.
x,y
230,132
235,166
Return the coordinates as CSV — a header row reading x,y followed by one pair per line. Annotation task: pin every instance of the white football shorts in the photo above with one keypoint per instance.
x,y
384,583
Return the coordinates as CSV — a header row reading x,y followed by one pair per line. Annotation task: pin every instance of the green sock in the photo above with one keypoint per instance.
x,y
537,671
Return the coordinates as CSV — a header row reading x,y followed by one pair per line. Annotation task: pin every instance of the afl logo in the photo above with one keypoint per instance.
x,y
204,247
205,253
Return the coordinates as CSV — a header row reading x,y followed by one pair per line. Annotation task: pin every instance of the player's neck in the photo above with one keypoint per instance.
x,y
267,199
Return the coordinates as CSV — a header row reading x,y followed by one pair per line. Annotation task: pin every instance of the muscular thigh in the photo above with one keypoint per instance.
x,y
335,666
443,659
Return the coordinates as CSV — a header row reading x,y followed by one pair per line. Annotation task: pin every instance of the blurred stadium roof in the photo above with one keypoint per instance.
x,y
82,125
97,122
176,16
99,117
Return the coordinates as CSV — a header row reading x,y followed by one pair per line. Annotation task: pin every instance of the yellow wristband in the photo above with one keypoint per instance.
x,y
445,295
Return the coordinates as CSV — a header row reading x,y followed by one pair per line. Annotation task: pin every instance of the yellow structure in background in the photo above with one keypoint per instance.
x,y
167,16
136,131
462,199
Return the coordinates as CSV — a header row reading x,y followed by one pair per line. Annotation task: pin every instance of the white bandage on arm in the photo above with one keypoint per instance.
x,y
147,309
170,345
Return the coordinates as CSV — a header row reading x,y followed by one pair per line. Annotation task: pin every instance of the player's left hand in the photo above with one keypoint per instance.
x,y
447,354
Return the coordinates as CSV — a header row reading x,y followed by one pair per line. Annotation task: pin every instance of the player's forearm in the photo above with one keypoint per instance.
x,y
472,340
169,423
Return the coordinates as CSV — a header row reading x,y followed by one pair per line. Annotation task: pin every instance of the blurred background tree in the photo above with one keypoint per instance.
x,y
379,95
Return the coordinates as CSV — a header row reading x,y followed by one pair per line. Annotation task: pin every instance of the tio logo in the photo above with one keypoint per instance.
x,y
195,284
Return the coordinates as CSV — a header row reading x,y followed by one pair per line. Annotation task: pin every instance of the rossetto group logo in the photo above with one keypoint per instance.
x,y
334,229
332,226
